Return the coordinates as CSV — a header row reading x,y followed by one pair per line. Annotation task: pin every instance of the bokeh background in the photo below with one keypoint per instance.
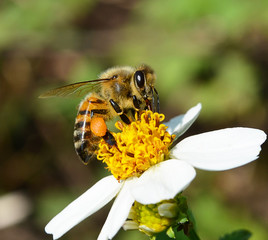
x,y
209,51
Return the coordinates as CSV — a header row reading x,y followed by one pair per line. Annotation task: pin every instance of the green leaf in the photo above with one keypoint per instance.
x,y
237,235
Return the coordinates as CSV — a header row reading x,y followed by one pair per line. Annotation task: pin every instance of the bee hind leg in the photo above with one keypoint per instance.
x,y
109,138
99,129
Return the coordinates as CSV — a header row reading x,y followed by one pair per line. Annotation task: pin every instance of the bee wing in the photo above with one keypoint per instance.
x,y
75,89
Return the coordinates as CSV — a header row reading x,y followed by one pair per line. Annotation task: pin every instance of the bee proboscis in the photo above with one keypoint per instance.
x,y
119,91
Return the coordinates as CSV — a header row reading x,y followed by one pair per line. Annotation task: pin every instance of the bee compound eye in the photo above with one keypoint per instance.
x,y
139,78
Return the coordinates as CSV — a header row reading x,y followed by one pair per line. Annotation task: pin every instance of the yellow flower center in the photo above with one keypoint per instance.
x,y
156,218
149,220
140,145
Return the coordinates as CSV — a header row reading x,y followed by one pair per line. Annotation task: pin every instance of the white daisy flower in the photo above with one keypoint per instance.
x,y
145,169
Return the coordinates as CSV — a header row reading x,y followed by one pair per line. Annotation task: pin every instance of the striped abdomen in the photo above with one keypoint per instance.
x,y
85,141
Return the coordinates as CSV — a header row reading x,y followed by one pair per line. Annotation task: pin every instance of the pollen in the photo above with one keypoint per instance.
x,y
139,145
98,126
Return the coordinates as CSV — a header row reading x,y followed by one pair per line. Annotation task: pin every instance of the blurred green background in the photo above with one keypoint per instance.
x,y
213,52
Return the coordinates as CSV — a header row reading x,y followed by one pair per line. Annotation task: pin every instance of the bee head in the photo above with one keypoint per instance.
x,y
144,79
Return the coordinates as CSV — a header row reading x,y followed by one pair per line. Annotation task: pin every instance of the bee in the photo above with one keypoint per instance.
x,y
119,91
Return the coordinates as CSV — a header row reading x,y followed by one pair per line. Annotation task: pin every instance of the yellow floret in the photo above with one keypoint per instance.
x,y
140,145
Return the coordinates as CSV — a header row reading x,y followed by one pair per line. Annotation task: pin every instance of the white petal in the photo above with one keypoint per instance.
x,y
178,125
88,203
222,149
163,181
118,213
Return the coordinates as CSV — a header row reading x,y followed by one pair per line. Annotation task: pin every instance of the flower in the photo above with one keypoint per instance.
x,y
170,172
155,218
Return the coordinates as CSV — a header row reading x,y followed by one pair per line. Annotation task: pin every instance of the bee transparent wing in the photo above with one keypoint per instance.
x,y
75,89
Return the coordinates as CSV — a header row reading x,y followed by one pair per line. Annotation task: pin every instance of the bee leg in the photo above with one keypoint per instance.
x,y
133,113
99,128
109,138
136,103
158,103
120,112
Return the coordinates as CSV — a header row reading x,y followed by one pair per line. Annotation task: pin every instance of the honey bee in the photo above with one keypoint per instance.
x,y
119,91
